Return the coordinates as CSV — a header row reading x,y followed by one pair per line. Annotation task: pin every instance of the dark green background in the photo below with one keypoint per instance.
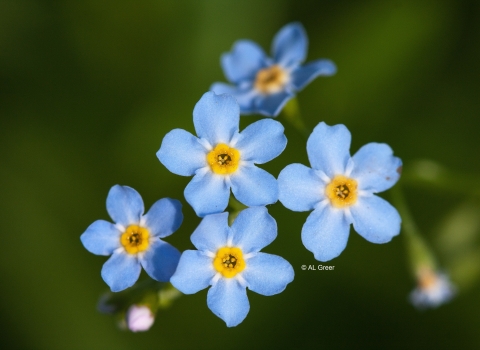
x,y
89,88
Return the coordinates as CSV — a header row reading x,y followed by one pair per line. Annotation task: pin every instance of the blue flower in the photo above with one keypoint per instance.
x,y
340,190
263,84
222,158
134,240
228,260
434,289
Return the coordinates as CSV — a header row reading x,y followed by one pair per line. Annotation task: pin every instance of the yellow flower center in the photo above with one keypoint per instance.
x,y
342,191
135,239
223,159
427,278
229,261
270,80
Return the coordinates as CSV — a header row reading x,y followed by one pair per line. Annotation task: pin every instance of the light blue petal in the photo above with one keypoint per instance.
x,y
194,272
243,62
268,274
375,219
181,153
299,188
262,141
212,233
160,260
253,186
375,167
101,238
207,193
290,45
216,117
305,74
164,217
253,229
124,205
328,148
228,300
121,271
245,96
271,105
325,233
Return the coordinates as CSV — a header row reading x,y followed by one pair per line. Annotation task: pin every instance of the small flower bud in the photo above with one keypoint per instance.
x,y
139,318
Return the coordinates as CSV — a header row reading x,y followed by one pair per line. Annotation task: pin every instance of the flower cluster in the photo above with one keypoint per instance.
x,y
339,189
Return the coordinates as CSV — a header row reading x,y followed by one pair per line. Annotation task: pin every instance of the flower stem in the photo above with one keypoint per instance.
x,y
291,113
420,254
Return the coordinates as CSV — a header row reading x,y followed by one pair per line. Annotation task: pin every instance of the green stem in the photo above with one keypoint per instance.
x,y
431,175
291,113
420,255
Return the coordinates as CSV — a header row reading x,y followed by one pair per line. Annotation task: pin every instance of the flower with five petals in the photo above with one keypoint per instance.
x,y
222,158
262,84
229,260
135,239
340,190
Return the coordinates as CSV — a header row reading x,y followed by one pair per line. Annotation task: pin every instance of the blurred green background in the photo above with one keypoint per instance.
x,y
89,88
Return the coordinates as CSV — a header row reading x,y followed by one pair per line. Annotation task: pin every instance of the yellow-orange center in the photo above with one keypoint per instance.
x,y
229,261
270,80
135,239
223,159
342,191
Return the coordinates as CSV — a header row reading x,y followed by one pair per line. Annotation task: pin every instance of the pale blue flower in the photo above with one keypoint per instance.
x,y
135,239
340,191
222,158
262,84
434,289
229,260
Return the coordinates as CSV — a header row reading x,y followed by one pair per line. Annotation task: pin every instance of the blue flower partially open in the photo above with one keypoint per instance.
x,y
134,240
434,289
229,260
262,84
340,190
222,158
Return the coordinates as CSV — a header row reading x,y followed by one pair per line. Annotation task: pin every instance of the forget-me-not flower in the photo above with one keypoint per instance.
x,y
262,84
222,158
228,260
135,239
434,289
340,190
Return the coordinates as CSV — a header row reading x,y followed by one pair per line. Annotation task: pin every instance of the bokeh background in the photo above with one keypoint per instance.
x,y
88,90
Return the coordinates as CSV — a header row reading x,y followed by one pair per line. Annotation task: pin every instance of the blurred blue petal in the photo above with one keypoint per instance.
x,y
301,76
375,219
325,233
271,105
160,260
181,153
290,45
194,272
212,233
375,167
124,205
245,96
207,193
299,187
164,217
101,238
243,62
253,186
262,141
228,300
216,118
121,271
328,148
268,274
253,229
